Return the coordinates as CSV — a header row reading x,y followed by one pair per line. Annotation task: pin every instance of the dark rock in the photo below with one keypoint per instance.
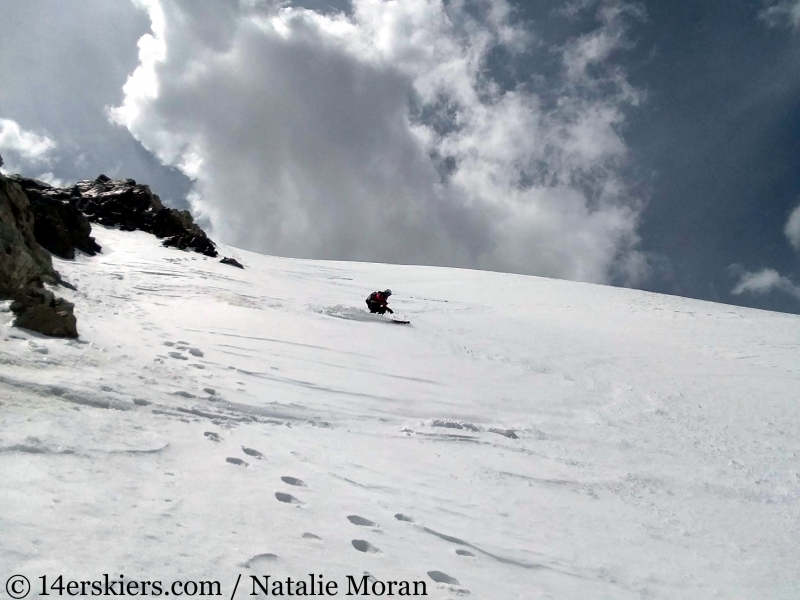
x,y
231,261
118,203
113,203
447,424
59,225
509,433
198,243
61,228
22,260
28,183
25,266
169,223
39,310
180,231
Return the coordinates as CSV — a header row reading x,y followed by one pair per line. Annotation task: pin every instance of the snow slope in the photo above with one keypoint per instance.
x,y
525,437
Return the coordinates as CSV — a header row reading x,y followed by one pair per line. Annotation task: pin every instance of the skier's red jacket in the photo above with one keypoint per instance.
x,y
377,298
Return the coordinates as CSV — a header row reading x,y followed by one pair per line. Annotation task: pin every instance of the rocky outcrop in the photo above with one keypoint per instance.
x,y
232,262
58,225
38,309
119,203
180,231
22,260
36,217
25,266
132,206
122,203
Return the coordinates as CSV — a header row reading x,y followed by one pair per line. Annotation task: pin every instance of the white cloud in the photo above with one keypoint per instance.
x,y
768,280
792,229
597,46
765,281
50,178
23,149
782,12
60,83
380,136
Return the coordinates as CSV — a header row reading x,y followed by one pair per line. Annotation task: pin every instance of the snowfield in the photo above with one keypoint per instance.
x,y
522,438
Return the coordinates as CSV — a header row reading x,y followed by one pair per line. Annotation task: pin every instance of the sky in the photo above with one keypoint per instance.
x,y
645,144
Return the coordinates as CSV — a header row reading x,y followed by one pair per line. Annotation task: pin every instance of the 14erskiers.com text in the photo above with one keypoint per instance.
x,y
260,585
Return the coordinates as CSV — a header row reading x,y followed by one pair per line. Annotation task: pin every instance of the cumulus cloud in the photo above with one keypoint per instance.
x,y
763,282
792,229
769,280
26,151
782,12
27,146
380,134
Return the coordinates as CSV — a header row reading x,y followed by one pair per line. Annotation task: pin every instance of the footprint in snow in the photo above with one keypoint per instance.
x,y
212,436
252,452
364,546
402,517
177,355
260,560
293,481
195,352
287,498
444,578
440,577
461,552
311,536
236,461
356,520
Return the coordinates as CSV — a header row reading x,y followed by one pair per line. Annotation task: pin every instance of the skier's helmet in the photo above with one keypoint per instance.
x,y
387,293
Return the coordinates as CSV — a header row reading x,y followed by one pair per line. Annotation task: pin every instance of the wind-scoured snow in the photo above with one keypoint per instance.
x,y
522,438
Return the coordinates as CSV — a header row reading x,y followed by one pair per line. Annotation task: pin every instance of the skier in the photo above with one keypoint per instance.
x,y
377,302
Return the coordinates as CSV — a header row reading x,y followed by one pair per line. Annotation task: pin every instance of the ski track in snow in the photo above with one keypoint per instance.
x,y
523,438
